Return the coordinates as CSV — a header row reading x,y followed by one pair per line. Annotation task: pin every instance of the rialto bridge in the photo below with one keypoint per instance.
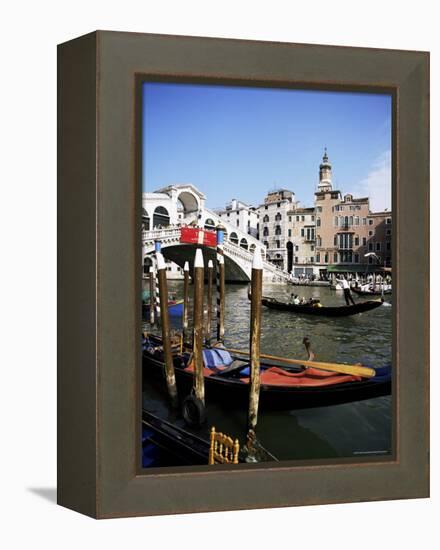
x,y
165,211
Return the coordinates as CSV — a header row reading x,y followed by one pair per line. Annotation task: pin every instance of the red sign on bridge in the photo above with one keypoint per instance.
x,y
195,235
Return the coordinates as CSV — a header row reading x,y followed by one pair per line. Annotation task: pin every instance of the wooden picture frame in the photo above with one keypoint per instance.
x,y
99,274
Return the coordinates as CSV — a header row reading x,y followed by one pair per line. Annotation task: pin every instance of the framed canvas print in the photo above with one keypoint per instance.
x,y
243,274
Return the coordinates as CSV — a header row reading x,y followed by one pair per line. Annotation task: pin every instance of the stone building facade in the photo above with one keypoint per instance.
x,y
338,234
275,225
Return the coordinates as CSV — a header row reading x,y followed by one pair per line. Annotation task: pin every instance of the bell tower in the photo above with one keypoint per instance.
x,y
325,174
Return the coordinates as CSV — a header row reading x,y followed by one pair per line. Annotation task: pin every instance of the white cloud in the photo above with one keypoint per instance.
x,y
377,184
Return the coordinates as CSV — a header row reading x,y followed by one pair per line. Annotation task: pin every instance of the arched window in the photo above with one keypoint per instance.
x,y
145,220
244,244
209,224
278,217
266,218
161,218
278,244
266,232
252,248
351,220
233,238
278,230
346,221
266,244
318,240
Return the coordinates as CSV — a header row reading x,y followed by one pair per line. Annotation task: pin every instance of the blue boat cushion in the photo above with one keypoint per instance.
x,y
214,358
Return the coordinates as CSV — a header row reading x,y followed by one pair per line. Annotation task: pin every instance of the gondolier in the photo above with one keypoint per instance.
x,y
346,288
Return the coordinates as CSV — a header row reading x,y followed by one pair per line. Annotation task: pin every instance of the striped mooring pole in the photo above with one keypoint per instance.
x,y
199,283
152,289
185,302
220,281
209,304
157,246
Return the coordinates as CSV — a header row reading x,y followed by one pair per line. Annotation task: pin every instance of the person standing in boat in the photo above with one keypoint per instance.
x,y
346,288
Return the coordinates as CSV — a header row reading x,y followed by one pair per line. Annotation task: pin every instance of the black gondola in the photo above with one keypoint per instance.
x,y
328,311
182,447
231,384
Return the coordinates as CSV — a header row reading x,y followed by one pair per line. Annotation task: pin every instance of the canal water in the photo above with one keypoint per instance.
x,y
355,429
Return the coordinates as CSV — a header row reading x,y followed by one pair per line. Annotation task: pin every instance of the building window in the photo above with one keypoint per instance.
x,y
238,223
335,257
388,246
326,258
370,247
278,217
318,241
312,259
364,241
356,241
335,240
290,218
336,221
318,258
388,232
302,232
266,244
310,234
377,247
370,233
278,204
303,218
296,259
312,218
319,209
266,232
318,222
356,220
289,232
388,220
265,208
278,244
266,218
297,218
278,230
312,248
370,222
296,248
356,258
364,221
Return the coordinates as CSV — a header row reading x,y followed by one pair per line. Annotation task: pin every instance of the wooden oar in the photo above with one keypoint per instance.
x,y
356,370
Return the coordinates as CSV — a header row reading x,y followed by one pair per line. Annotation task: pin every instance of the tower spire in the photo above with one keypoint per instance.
x,y
325,173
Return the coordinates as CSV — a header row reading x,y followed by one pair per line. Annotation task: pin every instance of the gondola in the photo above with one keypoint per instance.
x,y
175,308
361,292
282,388
328,311
168,444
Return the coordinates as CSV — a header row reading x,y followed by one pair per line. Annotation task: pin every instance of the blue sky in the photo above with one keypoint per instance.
x,y
239,142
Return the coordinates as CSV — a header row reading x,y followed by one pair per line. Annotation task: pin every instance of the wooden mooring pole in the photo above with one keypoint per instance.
x,y
185,302
152,285
157,246
209,304
254,340
165,323
199,276
220,285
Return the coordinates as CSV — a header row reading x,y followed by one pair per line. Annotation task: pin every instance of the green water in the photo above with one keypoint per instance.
x,y
353,429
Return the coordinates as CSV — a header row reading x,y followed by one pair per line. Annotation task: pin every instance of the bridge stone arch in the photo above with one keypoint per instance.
x,y
190,202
